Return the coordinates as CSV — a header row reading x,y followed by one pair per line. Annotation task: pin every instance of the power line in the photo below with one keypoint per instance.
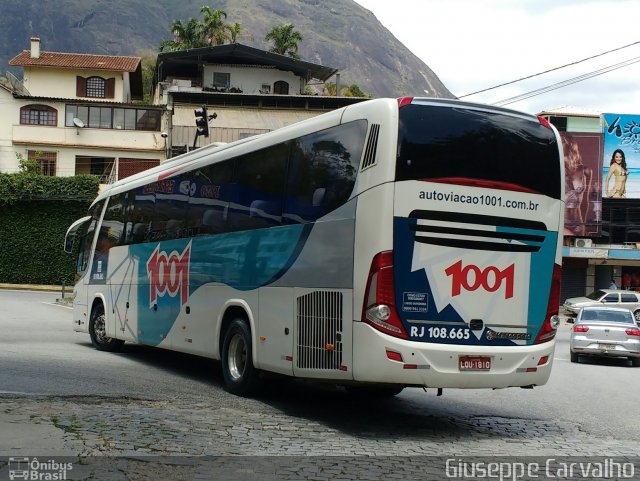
x,y
550,70
564,83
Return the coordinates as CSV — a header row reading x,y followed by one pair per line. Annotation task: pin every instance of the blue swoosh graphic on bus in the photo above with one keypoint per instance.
x,y
408,281
244,260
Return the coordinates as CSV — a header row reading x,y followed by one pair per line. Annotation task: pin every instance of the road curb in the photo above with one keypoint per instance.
x,y
31,287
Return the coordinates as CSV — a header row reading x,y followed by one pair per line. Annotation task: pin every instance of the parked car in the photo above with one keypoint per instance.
x,y
610,297
605,331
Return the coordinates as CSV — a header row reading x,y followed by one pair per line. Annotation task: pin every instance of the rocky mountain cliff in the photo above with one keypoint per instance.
x,y
336,33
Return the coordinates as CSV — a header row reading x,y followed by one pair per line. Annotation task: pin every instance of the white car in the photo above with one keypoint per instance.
x,y
605,331
606,297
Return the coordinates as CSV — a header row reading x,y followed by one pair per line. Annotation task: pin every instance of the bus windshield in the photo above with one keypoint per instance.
x,y
438,142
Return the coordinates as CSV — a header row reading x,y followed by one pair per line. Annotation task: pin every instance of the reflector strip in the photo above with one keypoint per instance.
x,y
416,366
394,356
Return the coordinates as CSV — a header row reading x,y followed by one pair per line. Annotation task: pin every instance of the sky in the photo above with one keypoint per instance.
x,y
473,45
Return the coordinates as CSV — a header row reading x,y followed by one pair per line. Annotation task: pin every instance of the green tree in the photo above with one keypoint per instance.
x,y
330,89
189,35
285,39
234,30
214,28
149,58
354,90
351,91
28,166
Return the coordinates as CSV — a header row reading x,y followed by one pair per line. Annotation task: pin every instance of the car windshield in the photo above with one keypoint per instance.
x,y
605,315
596,295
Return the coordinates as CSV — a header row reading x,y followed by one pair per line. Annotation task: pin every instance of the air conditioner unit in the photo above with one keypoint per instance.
x,y
583,243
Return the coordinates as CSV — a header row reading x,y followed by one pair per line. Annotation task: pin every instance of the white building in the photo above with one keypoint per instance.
x,y
251,91
79,114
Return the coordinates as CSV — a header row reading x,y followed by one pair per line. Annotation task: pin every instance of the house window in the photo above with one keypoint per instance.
x,y
221,80
114,117
47,161
100,117
95,87
124,119
38,115
559,123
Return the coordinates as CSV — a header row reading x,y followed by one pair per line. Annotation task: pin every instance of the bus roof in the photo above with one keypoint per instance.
x,y
203,155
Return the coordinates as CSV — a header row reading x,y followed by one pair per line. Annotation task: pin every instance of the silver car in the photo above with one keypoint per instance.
x,y
605,331
612,298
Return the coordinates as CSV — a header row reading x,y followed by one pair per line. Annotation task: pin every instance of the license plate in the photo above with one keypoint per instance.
x,y
607,347
474,363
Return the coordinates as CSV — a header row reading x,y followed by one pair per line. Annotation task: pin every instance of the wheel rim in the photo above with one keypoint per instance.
x,y
237,357
99,329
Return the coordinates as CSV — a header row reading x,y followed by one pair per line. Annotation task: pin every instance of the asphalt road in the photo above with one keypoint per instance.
x,y
588,404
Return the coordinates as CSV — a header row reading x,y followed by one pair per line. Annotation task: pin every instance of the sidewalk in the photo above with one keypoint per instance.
x,y
35,287
63,299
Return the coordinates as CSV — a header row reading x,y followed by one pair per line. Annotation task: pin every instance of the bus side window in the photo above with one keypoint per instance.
x,y
170,208
258,189
138,215
322,171
209,200
113,222
84,241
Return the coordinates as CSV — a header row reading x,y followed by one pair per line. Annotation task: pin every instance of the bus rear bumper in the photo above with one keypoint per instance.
x,y
437,366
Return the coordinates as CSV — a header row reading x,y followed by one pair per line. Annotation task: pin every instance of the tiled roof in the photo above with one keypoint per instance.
x,y
77,61
571,110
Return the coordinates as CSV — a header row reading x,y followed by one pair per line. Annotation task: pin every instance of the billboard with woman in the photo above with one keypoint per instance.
x,y
621,160
583,201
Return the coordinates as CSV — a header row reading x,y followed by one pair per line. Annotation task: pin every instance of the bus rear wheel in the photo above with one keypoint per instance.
x,y
240,376
98,332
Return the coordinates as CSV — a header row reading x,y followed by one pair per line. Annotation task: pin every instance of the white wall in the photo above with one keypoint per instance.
x,y
67,142
250,79
61,83
584,124
10,115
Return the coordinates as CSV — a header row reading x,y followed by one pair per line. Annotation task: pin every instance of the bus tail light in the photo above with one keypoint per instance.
x,y
379,306
544,122
551,320
402,101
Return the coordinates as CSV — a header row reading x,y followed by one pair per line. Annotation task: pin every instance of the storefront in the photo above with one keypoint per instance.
x,y
587,269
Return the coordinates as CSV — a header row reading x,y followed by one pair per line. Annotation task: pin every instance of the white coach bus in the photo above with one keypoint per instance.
x,y
390,243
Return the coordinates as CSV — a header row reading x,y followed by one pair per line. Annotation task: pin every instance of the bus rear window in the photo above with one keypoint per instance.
x,y
436,142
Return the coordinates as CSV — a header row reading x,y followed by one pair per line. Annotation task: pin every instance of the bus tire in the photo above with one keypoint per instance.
x,y
97,332
240,376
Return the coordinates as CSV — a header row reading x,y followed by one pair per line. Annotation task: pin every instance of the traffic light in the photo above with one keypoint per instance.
x,y
202,121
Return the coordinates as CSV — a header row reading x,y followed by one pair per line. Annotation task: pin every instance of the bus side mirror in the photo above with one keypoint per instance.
x,y
68,243
71,233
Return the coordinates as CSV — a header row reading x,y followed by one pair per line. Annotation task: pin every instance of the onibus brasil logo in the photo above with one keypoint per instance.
x,y
34,469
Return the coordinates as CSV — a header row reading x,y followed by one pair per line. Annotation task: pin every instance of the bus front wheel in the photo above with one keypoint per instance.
x,y
98,332
240,376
